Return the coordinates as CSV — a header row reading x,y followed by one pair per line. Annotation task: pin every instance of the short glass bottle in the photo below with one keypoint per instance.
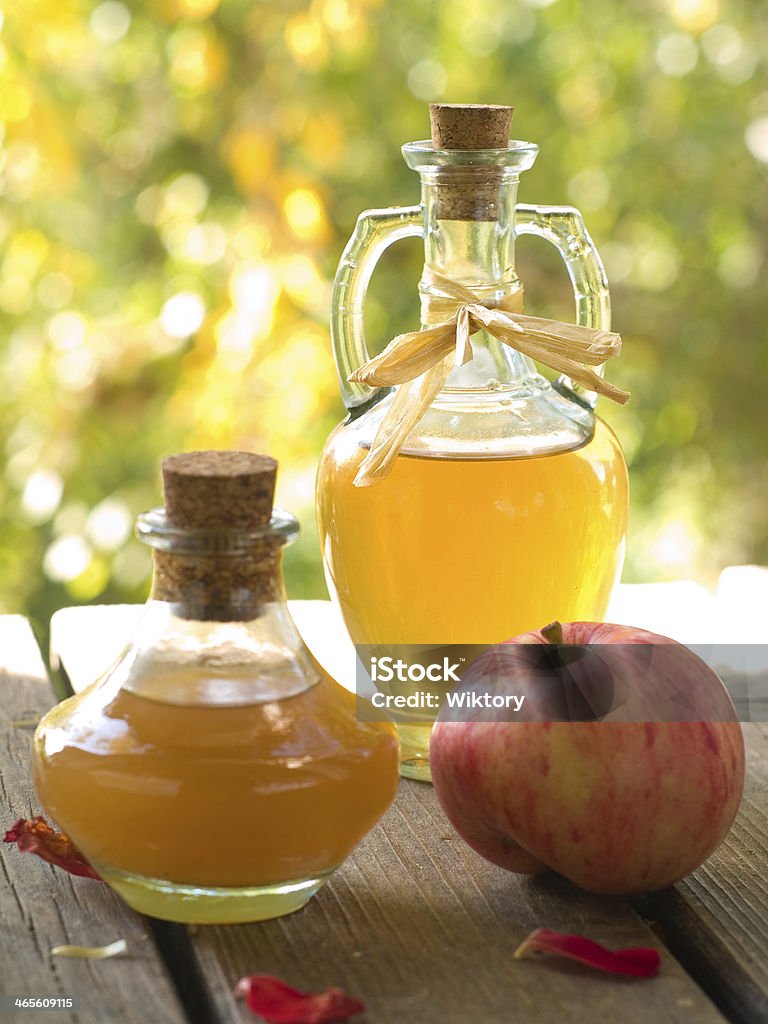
x,y
215,773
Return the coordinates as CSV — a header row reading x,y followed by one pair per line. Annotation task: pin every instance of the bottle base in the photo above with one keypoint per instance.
x,y
414,752
416,768
193,904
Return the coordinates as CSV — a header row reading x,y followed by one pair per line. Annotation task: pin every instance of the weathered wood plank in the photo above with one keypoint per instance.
x,y
42,907
423,930
416,923
717,919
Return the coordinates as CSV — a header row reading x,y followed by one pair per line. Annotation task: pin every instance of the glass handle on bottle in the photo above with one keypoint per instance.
x,y
563,226
374,232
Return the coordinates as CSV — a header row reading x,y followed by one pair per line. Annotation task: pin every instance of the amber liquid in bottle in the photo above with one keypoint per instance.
x,y
215,774
471,550
210,796
503,504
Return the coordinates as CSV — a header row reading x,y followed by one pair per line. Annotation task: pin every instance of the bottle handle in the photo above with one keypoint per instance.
x,y
374,232
563,226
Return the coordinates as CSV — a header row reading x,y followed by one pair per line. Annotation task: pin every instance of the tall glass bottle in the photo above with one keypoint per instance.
x,y
507,506
215,773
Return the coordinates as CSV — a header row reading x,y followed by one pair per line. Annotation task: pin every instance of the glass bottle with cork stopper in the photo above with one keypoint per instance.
x,y
468,498
215,773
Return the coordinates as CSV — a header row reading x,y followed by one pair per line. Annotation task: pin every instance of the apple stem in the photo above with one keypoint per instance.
x,y
553,633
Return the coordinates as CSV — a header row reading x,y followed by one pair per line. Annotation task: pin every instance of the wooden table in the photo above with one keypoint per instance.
x,y
414,923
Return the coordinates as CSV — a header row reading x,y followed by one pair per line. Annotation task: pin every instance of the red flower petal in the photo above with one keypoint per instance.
x,y
278,1003
37,837
637,963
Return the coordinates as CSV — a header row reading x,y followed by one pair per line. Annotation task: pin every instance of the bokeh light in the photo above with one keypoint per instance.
x,y
182,314
179,179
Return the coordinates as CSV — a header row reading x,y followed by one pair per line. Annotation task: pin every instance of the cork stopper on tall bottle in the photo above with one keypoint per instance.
x,y
469,125
469,191
219,491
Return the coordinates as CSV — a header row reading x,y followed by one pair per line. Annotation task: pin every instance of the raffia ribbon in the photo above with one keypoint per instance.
x,y
421,361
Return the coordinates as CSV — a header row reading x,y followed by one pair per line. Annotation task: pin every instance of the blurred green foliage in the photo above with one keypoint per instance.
x,y
179,178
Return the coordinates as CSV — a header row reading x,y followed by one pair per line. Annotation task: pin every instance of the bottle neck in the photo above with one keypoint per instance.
x,y
215,589
478,251
469,237
216,574
217,615
216,639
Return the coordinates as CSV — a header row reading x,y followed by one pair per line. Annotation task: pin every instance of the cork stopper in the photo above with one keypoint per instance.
x,y
470,125
469,192
219,490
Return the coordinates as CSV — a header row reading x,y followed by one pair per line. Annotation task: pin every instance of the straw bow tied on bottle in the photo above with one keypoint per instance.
x,y
420,361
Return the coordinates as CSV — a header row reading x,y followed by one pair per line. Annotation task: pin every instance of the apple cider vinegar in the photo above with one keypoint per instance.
x,y
468,497
215,774
471,551
213,796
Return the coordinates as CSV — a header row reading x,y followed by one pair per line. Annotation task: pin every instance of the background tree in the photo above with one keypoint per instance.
x,y
179,178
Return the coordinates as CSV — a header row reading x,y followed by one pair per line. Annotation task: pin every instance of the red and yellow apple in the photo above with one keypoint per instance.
x,y
623,769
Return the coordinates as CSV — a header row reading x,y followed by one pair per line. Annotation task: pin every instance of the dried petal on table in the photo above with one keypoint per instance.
x,y
36,836
92,952
637,962
278,1003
